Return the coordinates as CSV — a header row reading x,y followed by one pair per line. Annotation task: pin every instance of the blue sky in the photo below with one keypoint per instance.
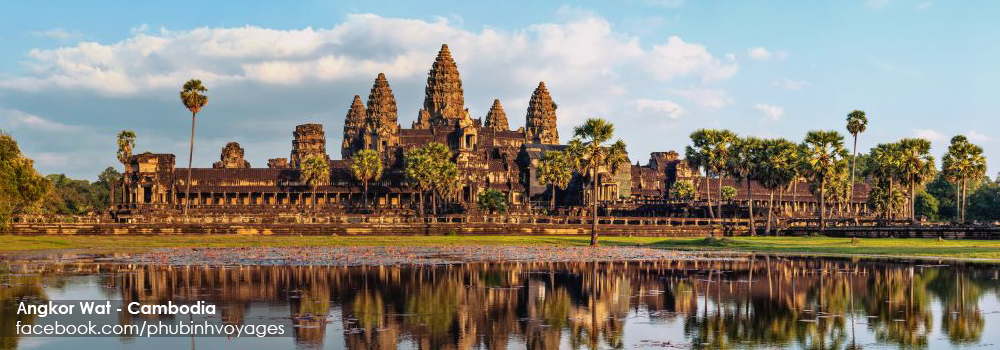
x,y
72,74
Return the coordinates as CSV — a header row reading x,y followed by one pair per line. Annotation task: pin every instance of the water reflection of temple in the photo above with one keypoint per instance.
x,y
762,300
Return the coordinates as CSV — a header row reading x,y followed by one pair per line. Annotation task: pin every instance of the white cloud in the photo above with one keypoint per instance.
x,y
16,120
709,99
770,112
56,33
670,108
929,135
677,58
763,54
310,74
924,5
975,136
790,84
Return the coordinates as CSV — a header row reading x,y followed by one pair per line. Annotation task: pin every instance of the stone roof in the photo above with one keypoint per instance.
x,y
540,123
496,119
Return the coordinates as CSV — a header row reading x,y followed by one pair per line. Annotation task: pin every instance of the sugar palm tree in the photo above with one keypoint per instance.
x,y
857,122
778,171
823,157
592,155
962,163
917,167
554,169
366,166
194,99
126,143
883,167
712,149
744,164
315,171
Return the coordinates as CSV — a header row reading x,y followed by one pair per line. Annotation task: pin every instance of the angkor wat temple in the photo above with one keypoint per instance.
x,y
488,153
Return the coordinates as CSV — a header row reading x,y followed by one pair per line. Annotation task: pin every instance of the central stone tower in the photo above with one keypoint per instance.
x,y
444,99
540,123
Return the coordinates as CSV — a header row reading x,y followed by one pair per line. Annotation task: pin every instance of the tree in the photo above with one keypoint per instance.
x,y
883,166
917,167
711,148
194,99
745,164
126,143
777,171
21,187
492,201
926,205
314,171
683,189
366,165
824,156
963,162
728,193
590,154
555,170
430,168
857,122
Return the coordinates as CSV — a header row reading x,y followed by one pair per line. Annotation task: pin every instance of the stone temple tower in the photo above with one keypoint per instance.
x,y
309,139
540,123
355,128
444,99
383,126
496,119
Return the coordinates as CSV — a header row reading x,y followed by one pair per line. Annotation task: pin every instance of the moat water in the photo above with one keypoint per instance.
x,y
757,302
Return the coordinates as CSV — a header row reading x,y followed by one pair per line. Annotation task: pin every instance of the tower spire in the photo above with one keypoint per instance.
x,y
444,99
496,119
540,123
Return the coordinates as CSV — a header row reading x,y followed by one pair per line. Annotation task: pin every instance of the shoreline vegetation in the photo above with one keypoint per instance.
x,y
983,250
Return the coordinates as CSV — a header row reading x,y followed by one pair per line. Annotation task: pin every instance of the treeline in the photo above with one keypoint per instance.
x,y
24,191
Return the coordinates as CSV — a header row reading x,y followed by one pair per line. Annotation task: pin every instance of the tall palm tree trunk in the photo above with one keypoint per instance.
x,y
708,194
187,192
854,165
366,194
964,199
958,202
434,203
822,205
770,213
753,226
720,195
593,226
913,205
552,203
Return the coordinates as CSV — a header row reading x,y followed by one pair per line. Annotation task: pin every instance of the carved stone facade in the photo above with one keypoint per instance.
x,y
489,156
309,139
444,98
540,125
231,158
496,119
354,126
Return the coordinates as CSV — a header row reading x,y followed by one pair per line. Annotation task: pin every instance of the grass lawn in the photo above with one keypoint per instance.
x,y
962,249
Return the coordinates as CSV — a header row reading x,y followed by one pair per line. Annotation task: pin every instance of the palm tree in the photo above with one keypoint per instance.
x,y
883,167
592,155
963,162
429,168
366,165
315,170
711,149
126,143
554,169
778,171
193,97
824,156
744,164
857,122
917,167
